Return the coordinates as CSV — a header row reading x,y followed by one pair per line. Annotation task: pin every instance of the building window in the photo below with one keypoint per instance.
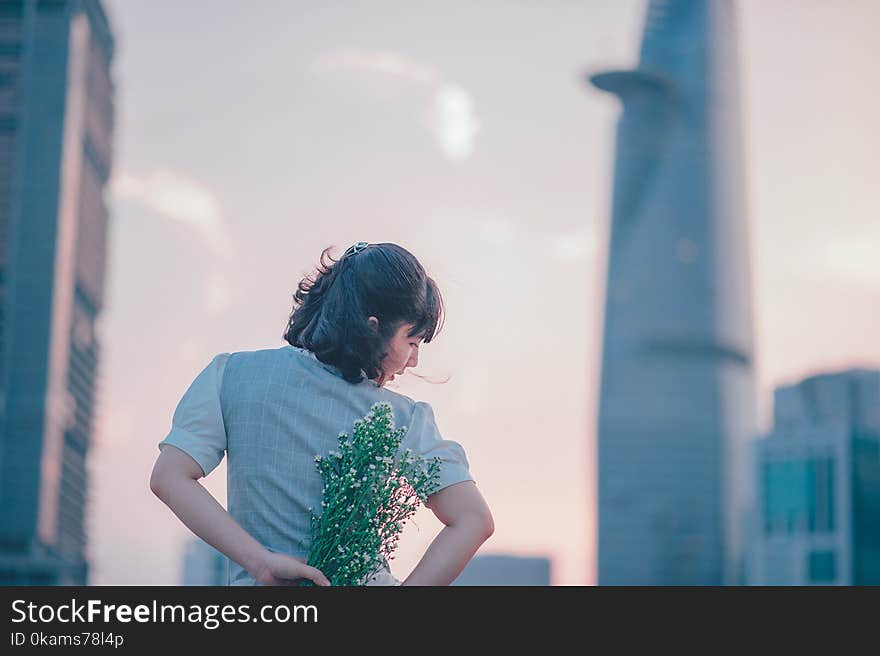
x,y
822,514
822,566
785,499
798,496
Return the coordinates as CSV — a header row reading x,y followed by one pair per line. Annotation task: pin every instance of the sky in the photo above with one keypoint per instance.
x,y
251,136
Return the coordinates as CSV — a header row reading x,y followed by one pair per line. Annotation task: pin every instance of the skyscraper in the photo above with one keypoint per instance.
x,y
818,475
56,124
677,404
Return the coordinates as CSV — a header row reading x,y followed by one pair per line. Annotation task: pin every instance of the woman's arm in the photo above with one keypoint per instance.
x,y
469,524
175,481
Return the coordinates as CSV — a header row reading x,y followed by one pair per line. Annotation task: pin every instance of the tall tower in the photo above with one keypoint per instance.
x,y
677,404
56,123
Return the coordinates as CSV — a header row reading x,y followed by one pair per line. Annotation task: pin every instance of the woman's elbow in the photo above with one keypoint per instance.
x,y
488,526
481,523
171,466
157,486
159,478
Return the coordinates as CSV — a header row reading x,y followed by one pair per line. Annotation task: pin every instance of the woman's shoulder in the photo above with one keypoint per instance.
x,y
246,366
409,412
267,355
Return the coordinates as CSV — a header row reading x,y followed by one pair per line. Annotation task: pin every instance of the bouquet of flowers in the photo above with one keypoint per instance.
x,y
369,492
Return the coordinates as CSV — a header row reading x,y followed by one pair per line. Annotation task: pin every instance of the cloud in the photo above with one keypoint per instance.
x,y
574,246
852,260
449,115
454,122
385,63
178,197
219,294
496,232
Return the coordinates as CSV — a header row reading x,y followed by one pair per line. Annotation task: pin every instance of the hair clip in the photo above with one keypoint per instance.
x,y
357,248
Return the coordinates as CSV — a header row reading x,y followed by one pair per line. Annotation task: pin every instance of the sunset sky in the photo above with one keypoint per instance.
x,y
250,136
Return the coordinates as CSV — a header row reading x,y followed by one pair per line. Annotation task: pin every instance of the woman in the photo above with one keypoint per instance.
x,y
355,325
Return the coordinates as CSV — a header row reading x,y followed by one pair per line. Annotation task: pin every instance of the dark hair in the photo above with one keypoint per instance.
x,y
331,308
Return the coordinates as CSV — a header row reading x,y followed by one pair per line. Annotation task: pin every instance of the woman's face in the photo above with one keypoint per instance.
x,y
403,352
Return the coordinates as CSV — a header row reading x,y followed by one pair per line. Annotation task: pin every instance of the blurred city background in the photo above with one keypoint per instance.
x,y
654,224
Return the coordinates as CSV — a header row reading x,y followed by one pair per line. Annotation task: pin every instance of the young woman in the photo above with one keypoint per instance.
x,y
355,325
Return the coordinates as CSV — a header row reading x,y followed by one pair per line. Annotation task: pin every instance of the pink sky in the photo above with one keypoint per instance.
x,y
247,142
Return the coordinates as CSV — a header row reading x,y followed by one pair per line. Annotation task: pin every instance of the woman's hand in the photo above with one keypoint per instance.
x,y
281,569
175,481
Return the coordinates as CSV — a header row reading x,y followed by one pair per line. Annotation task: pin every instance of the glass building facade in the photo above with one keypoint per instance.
x,y
677,398
56,126
798,495
203,564
817,516
504,569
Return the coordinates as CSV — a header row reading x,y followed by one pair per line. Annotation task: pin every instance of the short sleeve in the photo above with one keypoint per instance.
x,y
197,425
424,438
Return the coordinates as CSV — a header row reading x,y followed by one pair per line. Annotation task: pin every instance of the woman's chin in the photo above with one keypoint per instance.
x,y
382,381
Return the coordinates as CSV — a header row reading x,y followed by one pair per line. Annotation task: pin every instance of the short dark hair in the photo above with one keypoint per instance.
x,y
331,308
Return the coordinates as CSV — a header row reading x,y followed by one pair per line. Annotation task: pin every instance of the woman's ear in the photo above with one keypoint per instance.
x,y
373,322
